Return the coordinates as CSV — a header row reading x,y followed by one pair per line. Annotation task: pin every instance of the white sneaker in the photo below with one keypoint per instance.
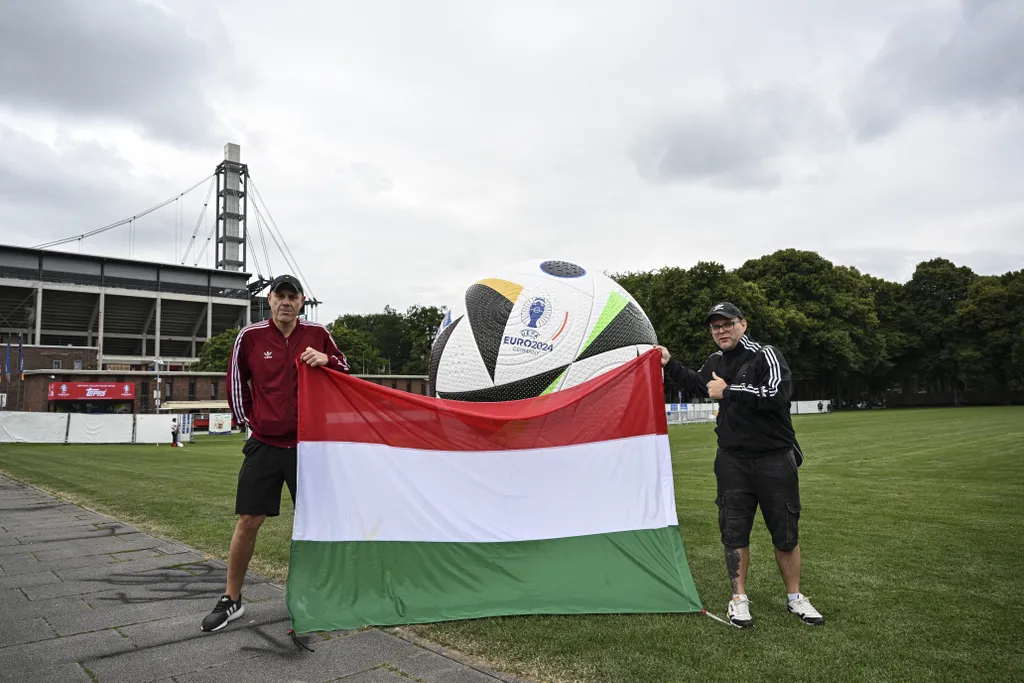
x,y
739,612
803,608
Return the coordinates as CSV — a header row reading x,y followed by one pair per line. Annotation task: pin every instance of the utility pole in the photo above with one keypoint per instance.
x,y
158,394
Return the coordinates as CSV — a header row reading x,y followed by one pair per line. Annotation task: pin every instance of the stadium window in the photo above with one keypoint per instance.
x,y
58,364
213,390
78,364
168,391
191,390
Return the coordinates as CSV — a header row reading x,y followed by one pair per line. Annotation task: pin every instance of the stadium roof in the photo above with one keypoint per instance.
x,y
115,259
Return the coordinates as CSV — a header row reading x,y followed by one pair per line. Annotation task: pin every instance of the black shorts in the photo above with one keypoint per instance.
x,y
770,482
263,471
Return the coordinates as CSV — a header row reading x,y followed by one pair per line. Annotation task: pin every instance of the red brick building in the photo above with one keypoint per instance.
x,y
194,392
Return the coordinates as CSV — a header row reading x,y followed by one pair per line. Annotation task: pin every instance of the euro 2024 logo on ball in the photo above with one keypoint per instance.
x,y
534,315
537,314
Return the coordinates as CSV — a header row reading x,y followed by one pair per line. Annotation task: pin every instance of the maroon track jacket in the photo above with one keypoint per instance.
x,y
264,357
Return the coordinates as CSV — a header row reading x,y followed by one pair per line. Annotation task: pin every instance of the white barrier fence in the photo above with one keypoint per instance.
x,y
33,427
809,407
694,413
688,413
75,428
154,429
85,428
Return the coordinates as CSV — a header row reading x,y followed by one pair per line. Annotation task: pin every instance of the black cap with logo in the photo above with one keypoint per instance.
x,y
723,310
286,281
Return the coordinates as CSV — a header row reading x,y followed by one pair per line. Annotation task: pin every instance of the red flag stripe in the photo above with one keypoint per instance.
x,y
625,402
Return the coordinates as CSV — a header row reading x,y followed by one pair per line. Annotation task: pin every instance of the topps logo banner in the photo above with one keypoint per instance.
x,y
108,391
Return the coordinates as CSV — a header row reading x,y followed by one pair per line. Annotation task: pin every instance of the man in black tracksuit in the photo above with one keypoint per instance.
x,y
758,455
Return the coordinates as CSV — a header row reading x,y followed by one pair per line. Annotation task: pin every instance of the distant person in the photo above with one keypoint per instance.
x,y
821,407
758,455
263,394
174,432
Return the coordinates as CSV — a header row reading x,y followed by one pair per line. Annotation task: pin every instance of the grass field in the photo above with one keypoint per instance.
x,y
911,536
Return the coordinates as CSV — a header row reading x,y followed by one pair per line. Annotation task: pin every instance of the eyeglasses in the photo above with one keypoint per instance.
x,y
727,325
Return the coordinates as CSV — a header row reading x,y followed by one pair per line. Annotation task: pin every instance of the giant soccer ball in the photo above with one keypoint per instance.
x,y
533,328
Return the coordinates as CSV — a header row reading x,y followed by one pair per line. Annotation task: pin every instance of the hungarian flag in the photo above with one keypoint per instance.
x,y
413,509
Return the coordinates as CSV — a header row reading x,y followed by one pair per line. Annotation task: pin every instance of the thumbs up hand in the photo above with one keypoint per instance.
x,y
716,386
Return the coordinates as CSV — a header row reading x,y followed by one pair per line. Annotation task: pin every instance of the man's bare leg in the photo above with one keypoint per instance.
x,y
243,541
736,562
789,566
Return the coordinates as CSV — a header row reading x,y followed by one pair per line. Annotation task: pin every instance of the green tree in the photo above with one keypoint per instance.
x,y
421,325
830,310
935,294
677,301
216,352
1014,282
991,324
357,345
388,342
387,334
894,325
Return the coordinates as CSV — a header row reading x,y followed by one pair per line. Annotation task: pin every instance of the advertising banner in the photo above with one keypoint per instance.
x,y
220,423
91,391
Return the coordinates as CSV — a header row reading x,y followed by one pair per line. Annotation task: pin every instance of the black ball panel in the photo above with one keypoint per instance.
x,y
627,328
435,354
488,311
529,387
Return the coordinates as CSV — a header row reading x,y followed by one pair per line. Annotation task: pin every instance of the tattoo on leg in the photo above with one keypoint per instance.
x,y
732,563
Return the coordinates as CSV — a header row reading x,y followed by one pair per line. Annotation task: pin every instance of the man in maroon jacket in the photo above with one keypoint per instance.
x,y
263,393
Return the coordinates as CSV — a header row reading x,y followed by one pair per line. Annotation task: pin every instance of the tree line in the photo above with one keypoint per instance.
x,y
388,343
847,335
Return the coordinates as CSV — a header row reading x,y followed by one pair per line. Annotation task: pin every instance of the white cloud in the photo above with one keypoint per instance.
x,y
968,58
406,148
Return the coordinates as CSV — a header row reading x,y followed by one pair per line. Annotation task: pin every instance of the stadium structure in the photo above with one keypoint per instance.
x,y
98,334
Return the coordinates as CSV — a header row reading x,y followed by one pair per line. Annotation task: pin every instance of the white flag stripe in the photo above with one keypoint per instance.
x,y
371,492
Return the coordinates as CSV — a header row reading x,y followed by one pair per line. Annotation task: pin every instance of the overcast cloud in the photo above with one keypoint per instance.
x,y
405,149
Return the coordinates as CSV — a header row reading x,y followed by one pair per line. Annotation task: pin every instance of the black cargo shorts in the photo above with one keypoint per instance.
x,y
744,483
263,471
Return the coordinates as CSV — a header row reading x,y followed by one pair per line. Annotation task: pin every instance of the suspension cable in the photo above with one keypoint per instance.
x,y
119,223
195,231
286,252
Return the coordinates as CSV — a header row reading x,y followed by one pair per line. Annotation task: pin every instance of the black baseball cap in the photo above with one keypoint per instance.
x,y
286,281
723,310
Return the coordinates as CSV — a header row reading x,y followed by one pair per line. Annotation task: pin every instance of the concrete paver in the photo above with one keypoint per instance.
x,y
86,598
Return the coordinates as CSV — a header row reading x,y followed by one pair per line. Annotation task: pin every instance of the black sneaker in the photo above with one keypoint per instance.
x,y
225,611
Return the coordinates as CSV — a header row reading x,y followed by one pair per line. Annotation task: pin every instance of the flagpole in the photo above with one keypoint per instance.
x,y
7,367
21,376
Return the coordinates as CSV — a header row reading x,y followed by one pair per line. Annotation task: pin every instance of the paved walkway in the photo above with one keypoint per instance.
x,y
86,598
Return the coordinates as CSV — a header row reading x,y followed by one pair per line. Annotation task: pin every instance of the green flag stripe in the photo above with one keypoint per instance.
x,y
350,584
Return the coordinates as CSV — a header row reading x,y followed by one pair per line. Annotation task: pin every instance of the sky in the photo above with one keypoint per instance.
x,y
405,150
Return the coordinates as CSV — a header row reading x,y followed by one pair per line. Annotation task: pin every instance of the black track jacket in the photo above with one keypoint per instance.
x,y
753,415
